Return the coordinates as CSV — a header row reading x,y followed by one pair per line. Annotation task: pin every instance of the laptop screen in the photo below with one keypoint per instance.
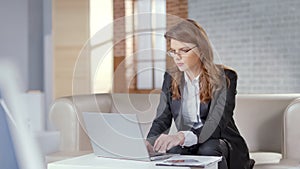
x,y
8,158
115,135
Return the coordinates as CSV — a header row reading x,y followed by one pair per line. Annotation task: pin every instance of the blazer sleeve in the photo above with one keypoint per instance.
x,y
221,110
230,99
163,119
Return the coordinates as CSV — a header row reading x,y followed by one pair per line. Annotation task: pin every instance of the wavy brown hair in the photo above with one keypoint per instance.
x,y
190,31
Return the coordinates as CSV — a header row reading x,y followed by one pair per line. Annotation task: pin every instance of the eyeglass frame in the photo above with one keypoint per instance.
x,y
173,53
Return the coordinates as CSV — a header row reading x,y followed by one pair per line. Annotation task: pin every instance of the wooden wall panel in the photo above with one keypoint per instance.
x,y
70,32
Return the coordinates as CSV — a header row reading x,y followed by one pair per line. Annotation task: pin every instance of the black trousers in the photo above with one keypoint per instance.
x,y
212,147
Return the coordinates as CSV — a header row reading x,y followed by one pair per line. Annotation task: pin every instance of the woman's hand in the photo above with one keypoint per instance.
x,y
165,142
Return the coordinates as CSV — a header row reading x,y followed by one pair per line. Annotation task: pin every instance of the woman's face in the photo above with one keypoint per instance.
x,y
185,56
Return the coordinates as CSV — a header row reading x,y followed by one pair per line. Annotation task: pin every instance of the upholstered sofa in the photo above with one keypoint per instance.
x,y
269,123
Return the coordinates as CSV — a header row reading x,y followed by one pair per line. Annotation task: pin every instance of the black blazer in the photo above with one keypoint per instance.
x,y
216,116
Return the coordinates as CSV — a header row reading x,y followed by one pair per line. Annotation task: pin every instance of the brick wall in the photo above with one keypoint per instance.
x,y
260,39
119,28
119,46
176,9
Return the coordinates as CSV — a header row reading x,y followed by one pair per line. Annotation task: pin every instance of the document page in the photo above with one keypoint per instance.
x,y
189,161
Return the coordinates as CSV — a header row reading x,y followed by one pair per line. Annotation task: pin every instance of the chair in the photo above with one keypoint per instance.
x,y
18,149
9,160
291,137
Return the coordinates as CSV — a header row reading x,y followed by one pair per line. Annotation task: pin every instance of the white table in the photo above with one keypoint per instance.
x,y
90,161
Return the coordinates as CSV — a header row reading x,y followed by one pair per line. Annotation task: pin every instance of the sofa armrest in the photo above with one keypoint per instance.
x,y
66,116
291,118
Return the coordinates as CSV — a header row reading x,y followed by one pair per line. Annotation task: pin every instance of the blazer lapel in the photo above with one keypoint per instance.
x,y
214,115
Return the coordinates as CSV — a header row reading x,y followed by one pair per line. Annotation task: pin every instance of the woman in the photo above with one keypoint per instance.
x,y
200,96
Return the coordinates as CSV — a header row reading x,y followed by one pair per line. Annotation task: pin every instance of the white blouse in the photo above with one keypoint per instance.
x,y
191,108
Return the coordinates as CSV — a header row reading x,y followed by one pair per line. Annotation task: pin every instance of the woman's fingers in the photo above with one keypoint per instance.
x,y
170,145
160,143
166,142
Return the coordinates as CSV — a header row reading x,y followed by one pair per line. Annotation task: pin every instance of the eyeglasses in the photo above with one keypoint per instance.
x,y
181,52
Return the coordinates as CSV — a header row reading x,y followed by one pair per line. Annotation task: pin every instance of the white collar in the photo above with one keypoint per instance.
x,y
187,79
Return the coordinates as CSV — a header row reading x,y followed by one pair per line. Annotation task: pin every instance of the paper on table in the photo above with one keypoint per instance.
x,y
189,161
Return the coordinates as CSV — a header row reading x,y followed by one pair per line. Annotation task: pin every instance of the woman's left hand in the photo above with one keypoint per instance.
x,y
165,142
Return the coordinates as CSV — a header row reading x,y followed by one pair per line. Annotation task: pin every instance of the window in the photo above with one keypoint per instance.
x,y
101,52
145,44
145,47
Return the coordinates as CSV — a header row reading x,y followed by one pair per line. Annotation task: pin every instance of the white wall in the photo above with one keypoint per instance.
x,y
14,36
260,39
24,24
21,38
35,45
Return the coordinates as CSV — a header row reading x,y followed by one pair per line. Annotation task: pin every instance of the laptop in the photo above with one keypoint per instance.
x,y
115,135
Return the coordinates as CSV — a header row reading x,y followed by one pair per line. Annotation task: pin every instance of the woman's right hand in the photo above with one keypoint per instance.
x,y
165,142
